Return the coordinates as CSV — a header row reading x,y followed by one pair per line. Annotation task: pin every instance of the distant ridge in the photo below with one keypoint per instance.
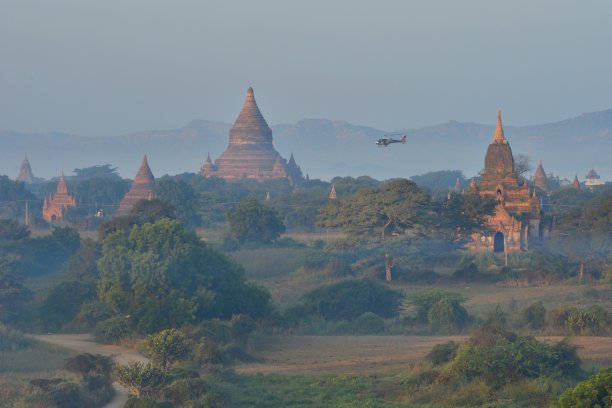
x,y
326,148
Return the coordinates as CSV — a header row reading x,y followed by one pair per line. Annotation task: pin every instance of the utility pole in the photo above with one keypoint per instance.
x,y
26,213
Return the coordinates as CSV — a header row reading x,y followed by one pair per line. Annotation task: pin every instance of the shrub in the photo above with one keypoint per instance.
x,y
534,315
426,299
349,299
442,353
168,346
595,391
500,357
369,323
448,315
185,389
592,320
111,330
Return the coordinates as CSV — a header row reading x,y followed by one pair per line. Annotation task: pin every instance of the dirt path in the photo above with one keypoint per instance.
x,y
83,343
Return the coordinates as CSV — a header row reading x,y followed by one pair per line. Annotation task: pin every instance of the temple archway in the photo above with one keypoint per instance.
x,y
498,242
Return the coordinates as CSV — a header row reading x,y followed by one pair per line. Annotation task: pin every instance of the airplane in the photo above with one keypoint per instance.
x,y
386,141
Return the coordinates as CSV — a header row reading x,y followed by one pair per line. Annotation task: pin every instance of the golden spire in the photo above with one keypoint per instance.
x,y
499,131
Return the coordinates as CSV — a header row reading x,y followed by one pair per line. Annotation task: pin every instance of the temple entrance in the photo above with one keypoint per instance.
x,y
498,242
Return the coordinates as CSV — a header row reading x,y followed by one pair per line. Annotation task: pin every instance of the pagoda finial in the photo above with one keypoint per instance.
x,y
499,130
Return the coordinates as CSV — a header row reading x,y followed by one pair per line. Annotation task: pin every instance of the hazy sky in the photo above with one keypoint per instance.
x,y
117,66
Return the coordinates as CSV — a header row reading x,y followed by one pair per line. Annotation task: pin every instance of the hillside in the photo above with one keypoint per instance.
x,y
325,148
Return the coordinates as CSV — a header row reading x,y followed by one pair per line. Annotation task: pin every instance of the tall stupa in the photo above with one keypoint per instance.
x,y
25,172
250,153
142,189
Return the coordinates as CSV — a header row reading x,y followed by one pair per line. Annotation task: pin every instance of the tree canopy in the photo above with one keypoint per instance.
x,y
395,207
161,276
252,221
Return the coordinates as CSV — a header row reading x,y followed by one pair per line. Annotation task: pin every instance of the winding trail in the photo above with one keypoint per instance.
x,y
83,343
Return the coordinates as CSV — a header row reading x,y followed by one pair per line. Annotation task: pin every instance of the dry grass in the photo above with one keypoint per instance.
x,y
368,355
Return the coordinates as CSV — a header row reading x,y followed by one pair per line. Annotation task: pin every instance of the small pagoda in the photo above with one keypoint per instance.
x,y
539,179
143,188
58,203
250,153
25,172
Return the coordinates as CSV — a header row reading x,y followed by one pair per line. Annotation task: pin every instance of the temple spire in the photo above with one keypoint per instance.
x,y
144,174
499,131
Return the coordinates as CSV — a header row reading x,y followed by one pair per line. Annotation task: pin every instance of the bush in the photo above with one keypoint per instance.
x,y
111,330
595,391
168,346
500,357
350,299
534,315
442,353
423,301
369,323
447,315
185,389
593,320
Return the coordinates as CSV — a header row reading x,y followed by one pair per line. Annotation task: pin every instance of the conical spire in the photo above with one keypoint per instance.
x,y
142,189
61,186
208,160
499,131
539,178
576,183
472,185
250,115
144,174
332,193
25,171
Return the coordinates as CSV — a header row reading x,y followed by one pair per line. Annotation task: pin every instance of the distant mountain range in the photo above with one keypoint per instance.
x,y
325,148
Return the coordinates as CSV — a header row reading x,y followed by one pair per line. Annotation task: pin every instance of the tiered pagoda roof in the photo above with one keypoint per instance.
x,y
250,153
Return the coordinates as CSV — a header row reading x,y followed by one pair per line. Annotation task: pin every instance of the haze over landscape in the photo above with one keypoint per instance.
x,y
239,204
109,69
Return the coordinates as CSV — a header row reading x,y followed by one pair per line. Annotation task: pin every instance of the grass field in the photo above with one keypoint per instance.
x,y
376,355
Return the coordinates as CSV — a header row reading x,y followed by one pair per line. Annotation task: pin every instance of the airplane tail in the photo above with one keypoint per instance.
x,y
403,139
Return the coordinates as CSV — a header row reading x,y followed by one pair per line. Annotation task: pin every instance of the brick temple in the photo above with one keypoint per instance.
x,y
250,153
143,188
54,207
516,219
25,172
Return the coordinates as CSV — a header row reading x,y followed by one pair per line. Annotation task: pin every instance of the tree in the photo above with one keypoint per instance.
x,y
12,230
595,391
396,207
138,377
103,171
163,276
349,299
168,346
182,197
152,210
252,221
442,180
522,164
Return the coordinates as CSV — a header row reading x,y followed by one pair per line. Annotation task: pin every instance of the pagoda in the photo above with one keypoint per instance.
x,y
143,188
539,179
250,153
516,218
25,172
54,207
576,183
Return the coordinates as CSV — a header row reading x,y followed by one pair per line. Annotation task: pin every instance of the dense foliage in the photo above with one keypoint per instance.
x,y
252,221
594,392
161,276
349,299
